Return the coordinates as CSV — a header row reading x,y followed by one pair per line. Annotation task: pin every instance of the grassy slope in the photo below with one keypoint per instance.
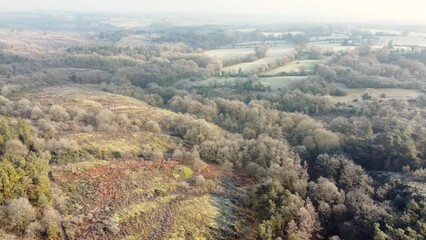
x,y
97,190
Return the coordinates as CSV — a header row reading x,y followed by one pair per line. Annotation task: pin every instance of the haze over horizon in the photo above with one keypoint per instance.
x,y
408,12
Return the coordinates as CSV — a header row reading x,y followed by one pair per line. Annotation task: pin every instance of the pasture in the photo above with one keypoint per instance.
x,y
224,54
410,40
279,82
390,93
296,66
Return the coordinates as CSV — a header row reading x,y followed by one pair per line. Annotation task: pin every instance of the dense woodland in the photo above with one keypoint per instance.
x,y
320,169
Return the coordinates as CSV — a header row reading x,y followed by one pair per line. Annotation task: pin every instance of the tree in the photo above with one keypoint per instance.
x,y
284,215
261,51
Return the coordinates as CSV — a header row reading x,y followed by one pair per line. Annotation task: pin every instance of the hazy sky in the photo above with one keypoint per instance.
x,y
346,10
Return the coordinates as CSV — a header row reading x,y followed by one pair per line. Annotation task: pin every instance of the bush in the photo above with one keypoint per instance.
x,y
186,172
104,117
58,113
152,126
18,215
420,175
160,192
6,236
198,165
46,127
122,120
157,155
61,146
54,232
199,180
15,147
36,113
178,155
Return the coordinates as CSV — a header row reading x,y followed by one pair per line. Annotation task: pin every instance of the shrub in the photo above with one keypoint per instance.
x,y
6,236
19,214
53,232
160,192
134,128
199,165
178,155
111,225
199,180
58,113
420,175
152,126
33,231
15,147
46,127
104,117
186,172
36,113
61,146
122,120
157,155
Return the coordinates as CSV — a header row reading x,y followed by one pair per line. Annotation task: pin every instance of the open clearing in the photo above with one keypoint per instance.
x,y
224,54
141,199
147,200
78,97
297,66
391,93
416,40
273,82
279,82
38,43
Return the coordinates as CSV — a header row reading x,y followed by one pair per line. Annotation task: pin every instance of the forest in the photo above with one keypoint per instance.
x,y
183,132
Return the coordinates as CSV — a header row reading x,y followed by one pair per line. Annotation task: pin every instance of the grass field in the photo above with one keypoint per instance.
x,y
416,40
391,93
38,43
273,82
261,63
279,82
294,67
224,54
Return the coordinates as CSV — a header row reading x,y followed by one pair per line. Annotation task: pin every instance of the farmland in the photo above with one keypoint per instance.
x,y
294,68
381,93
224,54
279,82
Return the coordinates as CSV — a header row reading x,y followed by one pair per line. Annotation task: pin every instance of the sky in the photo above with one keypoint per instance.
x,y
398,11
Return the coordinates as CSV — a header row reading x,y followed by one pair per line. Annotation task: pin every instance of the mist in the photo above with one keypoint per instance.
x,y
390,11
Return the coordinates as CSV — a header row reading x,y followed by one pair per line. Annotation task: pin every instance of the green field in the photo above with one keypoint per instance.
x,y
400,40
224,54
273,82
294,67
279,82
249,66
391,93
